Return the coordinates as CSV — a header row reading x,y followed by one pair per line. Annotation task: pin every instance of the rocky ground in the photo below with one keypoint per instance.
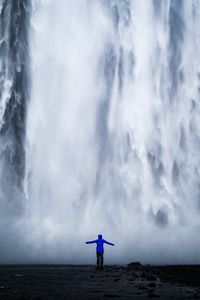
x,y
85,282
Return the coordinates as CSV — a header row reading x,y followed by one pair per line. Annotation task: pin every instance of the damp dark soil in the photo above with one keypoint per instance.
x,y
134,281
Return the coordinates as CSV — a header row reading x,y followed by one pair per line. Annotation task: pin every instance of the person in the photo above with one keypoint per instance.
x,y
99,249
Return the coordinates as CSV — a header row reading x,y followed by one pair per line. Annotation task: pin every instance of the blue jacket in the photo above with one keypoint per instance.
x,y
100,243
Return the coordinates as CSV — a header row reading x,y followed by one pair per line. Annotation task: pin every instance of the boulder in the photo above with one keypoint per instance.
x,y
135,264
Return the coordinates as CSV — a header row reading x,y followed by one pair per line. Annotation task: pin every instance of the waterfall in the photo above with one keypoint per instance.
x,y
107,141
14,88
14,95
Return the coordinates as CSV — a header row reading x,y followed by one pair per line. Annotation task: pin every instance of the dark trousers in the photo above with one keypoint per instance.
x,y
99,259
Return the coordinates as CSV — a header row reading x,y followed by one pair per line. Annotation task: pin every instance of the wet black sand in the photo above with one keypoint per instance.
x,y
85,282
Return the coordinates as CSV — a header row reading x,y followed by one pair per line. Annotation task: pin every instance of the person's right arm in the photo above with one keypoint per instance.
x,y
91,242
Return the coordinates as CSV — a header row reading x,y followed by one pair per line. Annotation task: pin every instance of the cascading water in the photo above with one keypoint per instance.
x,y
112,129
14,94
14,88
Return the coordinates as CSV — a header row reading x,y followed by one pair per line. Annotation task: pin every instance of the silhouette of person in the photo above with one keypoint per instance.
x,y
100,249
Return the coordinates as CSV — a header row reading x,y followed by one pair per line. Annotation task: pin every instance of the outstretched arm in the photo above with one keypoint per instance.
x,y
91,242
111,244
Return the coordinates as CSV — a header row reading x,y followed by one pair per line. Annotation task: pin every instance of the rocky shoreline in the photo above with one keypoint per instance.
x,y
134,281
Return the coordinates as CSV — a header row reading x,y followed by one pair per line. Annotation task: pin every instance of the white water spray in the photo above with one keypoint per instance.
x,y
113,130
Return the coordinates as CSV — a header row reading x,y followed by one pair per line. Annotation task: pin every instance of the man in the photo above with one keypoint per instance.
x,y
100,250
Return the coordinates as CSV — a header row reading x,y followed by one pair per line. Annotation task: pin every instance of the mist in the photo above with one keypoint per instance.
x,y
108,141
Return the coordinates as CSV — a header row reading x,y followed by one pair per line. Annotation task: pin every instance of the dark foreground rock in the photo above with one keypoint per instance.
x,y
178,274
85,282
135,264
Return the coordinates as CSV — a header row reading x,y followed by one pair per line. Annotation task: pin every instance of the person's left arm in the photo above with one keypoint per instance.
x,y
106,242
